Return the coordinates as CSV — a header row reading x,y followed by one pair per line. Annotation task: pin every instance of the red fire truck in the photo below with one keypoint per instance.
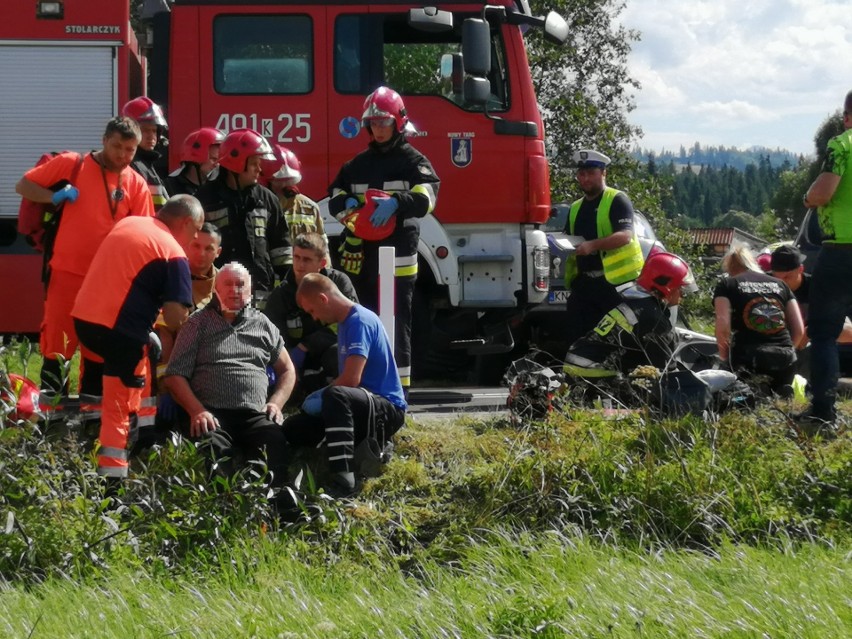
x,y
298,72
65,68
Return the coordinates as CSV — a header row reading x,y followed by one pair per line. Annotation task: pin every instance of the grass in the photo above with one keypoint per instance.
x,y
573,526
546,585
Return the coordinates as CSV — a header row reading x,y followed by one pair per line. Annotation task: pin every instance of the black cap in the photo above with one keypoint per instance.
x,y
786,258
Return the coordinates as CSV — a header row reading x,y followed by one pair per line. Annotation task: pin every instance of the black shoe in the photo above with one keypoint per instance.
x,y
812,425
342,487
289,505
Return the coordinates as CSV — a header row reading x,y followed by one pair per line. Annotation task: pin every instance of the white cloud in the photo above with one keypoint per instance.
x,y
733,72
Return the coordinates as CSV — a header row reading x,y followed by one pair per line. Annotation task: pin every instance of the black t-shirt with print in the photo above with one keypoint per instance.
x,y
758,309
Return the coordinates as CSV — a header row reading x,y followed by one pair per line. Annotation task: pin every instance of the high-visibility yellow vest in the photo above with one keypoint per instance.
x,y
620,265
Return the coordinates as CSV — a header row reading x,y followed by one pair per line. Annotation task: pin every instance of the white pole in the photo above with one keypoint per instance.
x,y
387,257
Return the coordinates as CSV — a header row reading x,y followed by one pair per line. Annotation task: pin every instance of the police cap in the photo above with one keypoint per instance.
x,y
587,158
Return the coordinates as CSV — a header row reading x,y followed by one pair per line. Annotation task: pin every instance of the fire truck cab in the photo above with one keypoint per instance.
x,y
65,67
298,73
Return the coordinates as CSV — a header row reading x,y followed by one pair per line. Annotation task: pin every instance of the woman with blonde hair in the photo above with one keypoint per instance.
x,y
757,321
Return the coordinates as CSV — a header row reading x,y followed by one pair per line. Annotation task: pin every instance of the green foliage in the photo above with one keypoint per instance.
x,y
717,156
59,521
583,87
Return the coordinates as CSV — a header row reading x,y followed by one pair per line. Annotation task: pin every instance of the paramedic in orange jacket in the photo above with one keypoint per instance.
x,y
140,267
107,190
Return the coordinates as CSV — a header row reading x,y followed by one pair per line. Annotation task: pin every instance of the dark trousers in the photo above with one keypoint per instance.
x,y
250,435
830,301
344,424
778,363
121,353
591,298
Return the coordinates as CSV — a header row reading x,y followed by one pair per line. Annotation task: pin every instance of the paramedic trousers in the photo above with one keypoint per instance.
x,y
125,365
58,337
344,423
830,302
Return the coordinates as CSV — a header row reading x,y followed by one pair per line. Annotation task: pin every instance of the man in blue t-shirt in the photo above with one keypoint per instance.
x,y
367,394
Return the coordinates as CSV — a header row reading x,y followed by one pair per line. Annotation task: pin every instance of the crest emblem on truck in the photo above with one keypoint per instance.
x,y
461,151
349,127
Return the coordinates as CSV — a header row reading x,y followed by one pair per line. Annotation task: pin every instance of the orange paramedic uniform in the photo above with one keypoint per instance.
x,y
105,198
138,267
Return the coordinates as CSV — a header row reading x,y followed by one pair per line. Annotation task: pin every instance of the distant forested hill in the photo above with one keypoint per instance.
x,y
718,156
719,186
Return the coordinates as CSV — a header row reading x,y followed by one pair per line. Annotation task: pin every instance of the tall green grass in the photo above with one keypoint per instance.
x,y
507,585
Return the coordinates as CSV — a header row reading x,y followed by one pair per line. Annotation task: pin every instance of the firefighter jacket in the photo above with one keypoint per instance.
x,y
254,231
637,332
178,183
297,326
398,168
143,163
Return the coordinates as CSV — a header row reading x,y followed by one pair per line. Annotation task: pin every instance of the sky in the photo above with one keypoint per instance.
x,y
738,72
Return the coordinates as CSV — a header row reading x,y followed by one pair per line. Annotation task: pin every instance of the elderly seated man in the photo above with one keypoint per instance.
x,y
217,373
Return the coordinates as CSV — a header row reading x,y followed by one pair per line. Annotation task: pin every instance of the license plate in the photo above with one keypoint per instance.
x,y
558,296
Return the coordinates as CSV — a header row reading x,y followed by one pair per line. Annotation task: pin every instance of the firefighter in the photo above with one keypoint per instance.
x,y
107,190
638,330
149,116
609,255
140,267
391,164
249,216
281,176
199,156
312,346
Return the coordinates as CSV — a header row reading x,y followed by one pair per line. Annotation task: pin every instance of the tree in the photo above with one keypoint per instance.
x,y
583,87
787,200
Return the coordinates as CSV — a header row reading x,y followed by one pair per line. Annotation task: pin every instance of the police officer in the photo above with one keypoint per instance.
x,y
609,254
249,216
392,165
831,295
149,116
199,156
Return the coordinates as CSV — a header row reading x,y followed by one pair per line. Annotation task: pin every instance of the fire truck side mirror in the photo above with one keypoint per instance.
x,y
476,46
476,90
555,28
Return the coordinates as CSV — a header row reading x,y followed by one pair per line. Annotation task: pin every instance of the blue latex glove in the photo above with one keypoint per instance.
x,y
167,408
297,356
351,203
68,192
313,402
385,207
271,376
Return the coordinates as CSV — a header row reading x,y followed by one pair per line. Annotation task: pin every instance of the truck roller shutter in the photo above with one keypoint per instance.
x,y
55,98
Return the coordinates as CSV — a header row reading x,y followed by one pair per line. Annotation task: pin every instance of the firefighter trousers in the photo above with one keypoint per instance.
x,y
125,366
591,298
